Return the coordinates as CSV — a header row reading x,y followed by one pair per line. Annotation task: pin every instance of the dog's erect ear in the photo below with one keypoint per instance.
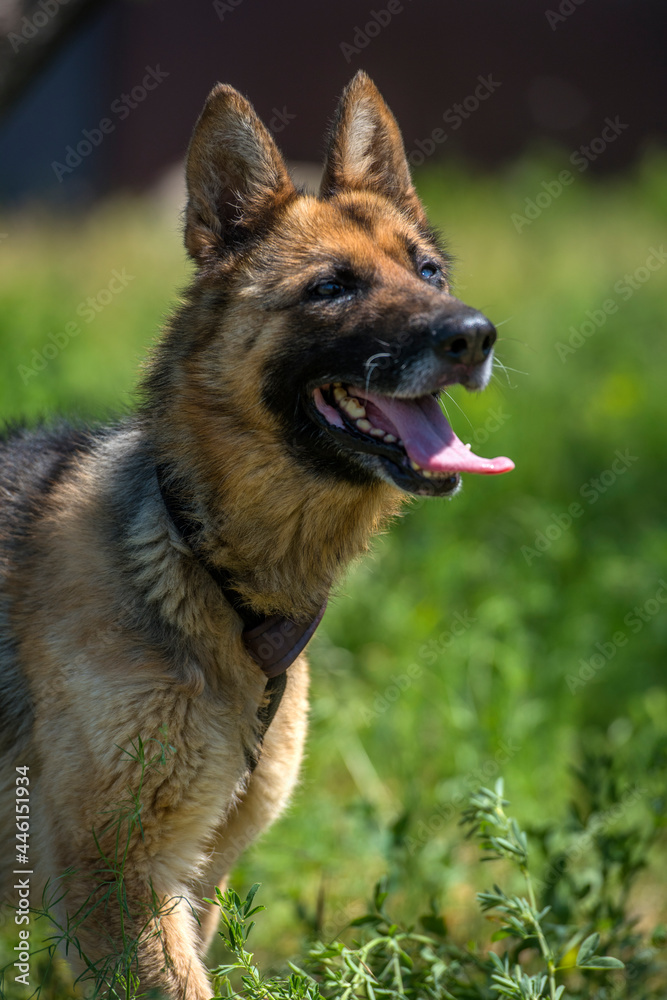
x,y
365,151
234,173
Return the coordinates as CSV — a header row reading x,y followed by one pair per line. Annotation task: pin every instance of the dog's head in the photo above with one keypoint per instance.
x,y
336,308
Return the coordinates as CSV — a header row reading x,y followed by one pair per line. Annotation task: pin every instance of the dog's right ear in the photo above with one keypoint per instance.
x,y
234,174
366,151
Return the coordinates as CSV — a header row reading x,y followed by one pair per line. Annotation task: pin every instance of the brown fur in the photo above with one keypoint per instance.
x,y
111,629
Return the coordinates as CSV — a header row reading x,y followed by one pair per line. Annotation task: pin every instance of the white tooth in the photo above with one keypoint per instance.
x,y
390,439
425,472
377,432
414,465
353,408
339,393
468,446
364,425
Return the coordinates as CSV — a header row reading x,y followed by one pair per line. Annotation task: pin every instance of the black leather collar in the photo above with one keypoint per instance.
x,y
273,642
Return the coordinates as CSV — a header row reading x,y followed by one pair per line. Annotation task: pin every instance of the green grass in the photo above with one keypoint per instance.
x,y
492,627
563,943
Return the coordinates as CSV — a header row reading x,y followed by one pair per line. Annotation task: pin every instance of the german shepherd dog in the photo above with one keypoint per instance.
x,y
155,572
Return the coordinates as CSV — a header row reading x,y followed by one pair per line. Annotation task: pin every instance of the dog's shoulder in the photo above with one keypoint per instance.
x,y
32,461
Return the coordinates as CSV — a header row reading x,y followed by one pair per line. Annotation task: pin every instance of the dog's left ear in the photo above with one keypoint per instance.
x,y
365,150
235,175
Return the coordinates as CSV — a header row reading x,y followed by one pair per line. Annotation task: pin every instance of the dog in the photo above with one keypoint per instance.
x,y
160,577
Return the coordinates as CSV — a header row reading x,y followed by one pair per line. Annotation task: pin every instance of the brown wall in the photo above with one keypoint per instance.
x,y
555,72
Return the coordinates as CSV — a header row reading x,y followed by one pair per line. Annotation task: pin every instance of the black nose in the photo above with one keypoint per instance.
x,y
465,337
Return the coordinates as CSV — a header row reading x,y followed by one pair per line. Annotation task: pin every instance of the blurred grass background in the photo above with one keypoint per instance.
x,y
445,658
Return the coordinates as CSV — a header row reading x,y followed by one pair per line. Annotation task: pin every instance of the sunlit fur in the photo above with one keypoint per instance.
x,y
110,628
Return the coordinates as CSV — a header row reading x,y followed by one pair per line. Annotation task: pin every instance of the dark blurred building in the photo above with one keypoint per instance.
x,y
484,79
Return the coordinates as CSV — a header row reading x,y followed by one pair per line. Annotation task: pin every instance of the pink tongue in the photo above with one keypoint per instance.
x,y
427,437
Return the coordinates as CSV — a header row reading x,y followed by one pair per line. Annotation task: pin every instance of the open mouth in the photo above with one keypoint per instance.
x,y
412,438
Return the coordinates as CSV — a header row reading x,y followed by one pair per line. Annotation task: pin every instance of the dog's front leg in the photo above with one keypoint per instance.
x,y
136,931
265,797
168,955
168,958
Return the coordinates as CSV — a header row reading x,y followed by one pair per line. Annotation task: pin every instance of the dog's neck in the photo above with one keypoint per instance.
x,y
283,537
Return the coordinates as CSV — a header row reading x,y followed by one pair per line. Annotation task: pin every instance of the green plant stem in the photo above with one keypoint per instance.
x,y
544,947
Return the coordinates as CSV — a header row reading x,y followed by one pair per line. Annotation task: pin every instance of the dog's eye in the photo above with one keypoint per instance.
x,y
328,289
428,271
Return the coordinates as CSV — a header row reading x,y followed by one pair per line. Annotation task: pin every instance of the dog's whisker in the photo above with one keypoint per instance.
x,y
508,368
515,340
444,405
497,363
457,405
